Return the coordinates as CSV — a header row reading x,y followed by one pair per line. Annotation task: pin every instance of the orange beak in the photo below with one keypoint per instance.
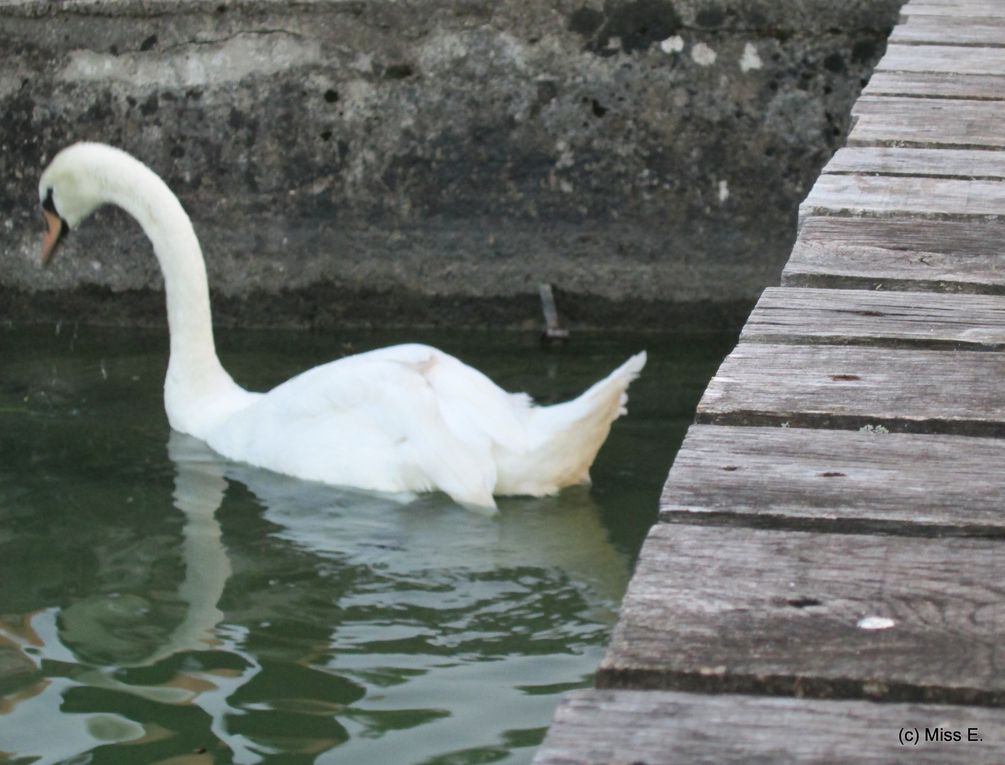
x,y
54,235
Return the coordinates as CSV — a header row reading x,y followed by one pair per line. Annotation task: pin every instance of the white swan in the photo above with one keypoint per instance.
x,y
408,418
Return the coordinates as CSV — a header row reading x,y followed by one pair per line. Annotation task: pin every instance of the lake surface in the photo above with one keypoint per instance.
x,y
161,605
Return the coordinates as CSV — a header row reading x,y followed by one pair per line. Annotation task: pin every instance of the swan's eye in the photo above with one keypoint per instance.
x,y
47,204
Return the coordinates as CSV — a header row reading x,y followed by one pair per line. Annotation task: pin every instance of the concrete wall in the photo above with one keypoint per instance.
x,y
432,160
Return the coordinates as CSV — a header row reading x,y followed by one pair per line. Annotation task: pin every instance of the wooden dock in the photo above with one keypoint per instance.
x,y
826,583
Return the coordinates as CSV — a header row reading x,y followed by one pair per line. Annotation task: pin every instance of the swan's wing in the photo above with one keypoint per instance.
x,y
473,406
402,418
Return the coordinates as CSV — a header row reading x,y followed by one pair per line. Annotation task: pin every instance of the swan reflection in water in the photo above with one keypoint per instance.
x,y
334,610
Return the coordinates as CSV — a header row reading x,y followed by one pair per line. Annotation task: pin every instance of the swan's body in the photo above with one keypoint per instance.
x,y
408,418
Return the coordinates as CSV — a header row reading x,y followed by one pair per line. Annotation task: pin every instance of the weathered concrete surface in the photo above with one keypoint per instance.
x,y
432,160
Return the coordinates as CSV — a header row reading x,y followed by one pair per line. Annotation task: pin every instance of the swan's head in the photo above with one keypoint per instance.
x,y
70,189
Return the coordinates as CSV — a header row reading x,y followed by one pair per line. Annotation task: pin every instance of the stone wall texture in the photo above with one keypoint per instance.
x,y
432,161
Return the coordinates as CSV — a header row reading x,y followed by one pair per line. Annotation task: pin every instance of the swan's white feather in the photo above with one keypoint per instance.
x,y
387,420
402,419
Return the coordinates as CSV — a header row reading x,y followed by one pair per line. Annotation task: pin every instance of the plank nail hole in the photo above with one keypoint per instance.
x,y
730,468
845,378
832,474
875,623
803,602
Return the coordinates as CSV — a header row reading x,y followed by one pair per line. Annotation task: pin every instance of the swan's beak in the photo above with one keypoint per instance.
x,y
54,235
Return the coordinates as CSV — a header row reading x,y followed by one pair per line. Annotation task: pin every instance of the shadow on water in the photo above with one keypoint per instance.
x,y
165,605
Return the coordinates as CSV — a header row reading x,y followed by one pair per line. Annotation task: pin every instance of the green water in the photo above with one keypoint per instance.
x,y
161,605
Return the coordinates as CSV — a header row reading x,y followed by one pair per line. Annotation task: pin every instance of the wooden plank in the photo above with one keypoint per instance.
x,y
885,195
930,122
936,85
957,31
985,8
606,727
943,30
838,480
878,318
958,59
849,387
741,610
898,254
924,163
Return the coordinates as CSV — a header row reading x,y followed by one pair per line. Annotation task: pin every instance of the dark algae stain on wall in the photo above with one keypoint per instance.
x,y
634,25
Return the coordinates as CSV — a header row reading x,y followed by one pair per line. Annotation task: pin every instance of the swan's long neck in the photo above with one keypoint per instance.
x,y
195,376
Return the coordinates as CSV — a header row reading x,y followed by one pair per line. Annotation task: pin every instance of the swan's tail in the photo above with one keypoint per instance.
x,y
565,438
